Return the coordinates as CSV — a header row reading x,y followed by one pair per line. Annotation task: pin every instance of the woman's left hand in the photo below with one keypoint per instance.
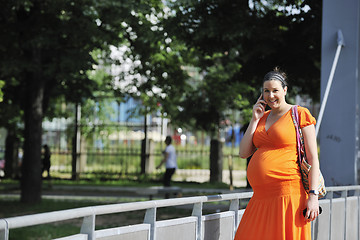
x,y
312,208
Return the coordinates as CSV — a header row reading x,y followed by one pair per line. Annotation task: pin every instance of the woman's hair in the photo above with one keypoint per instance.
x,y
276,74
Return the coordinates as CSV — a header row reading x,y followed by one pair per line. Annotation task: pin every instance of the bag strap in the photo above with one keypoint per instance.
x,y
295,117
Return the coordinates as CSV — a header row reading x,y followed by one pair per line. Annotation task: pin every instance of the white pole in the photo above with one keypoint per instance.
x,y
340,41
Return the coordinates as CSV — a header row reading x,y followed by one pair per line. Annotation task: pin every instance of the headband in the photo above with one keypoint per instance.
x,y
275,76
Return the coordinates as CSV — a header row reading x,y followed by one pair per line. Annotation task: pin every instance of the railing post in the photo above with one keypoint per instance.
x,y
150,217
357,194
88,226
197,212
330,195
344,194
4,233
234,206
314,228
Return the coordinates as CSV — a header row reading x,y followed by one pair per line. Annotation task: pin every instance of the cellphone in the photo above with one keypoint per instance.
x,y
305,210
262,97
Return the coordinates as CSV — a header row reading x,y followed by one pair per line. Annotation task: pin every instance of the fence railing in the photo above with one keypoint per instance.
x,y
127,161
340,219
341,214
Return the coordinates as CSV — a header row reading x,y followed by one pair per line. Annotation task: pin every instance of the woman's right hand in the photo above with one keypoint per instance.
x,y
247,147
259,108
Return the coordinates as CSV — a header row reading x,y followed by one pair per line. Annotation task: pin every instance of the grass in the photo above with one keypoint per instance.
x,y
12,207
140,181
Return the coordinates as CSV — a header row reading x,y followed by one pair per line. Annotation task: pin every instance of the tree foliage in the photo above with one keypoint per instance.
x,y
236,42
46,53
50,49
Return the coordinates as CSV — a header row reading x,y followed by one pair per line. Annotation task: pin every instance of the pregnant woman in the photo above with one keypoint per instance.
x,y
275,210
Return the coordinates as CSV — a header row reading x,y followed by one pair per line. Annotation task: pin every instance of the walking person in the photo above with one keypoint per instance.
x,y
275,212
46,162
242,131
170,161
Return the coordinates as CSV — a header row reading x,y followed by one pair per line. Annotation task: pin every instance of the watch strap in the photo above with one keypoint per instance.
x,y
316,192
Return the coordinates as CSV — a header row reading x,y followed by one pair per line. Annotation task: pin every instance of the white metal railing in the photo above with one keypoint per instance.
x,y
341,214
89,213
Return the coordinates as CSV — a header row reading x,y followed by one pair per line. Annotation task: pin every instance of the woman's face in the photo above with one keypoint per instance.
x,y
273,93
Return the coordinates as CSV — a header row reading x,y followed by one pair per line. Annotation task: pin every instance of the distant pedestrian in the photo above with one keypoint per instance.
x,y
170,161
242,131
19,163
46,162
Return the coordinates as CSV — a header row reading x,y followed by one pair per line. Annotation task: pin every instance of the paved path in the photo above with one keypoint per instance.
x,y
108,193
203,175
119,193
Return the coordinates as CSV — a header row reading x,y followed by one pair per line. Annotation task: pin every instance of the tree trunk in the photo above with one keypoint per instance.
x,y
11,152
75,165
31,182
144,156
31,166
216,161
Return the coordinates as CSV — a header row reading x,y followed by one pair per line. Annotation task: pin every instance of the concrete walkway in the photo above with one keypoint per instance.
x,y
203,175
117,194
110,191
122,193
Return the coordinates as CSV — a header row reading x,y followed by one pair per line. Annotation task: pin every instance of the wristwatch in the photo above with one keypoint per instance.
x,y
315,192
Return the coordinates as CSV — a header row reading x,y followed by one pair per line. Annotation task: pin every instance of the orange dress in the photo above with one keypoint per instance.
x,y
275,210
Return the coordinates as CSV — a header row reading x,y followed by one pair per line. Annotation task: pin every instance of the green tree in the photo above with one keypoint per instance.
x,y
11,120
256,36
157,78
234,43
45,53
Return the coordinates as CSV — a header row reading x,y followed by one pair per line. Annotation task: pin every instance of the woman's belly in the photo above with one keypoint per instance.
x,y
270,165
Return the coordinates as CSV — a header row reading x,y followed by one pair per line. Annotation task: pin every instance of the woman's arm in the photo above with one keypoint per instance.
x,y
313,160
247,147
